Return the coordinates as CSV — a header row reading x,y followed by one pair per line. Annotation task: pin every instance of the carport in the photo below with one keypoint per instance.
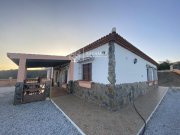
x,y
25,61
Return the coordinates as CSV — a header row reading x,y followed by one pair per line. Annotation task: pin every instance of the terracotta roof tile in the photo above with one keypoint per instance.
x,y
120,41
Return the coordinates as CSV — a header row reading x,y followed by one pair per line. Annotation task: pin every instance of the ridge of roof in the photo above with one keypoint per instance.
x,y
120,41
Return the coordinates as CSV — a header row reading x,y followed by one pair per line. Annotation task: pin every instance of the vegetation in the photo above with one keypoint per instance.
x,y
5,74
165,65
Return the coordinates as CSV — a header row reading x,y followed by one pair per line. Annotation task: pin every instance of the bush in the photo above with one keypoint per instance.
x,y
164,65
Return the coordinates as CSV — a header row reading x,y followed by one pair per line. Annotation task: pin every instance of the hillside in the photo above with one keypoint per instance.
x,y
5,74
169,79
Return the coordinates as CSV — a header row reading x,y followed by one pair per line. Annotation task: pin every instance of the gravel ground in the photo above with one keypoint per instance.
x,y
166,119
40,118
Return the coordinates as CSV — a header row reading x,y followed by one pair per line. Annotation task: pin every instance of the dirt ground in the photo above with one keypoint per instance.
x,y
7,82
95,120
169,79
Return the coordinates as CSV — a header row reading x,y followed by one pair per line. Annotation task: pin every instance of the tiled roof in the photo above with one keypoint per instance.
x,y
120,41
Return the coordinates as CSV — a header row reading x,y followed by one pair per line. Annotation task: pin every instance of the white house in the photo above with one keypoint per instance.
x,y
111,62
107,71
90,63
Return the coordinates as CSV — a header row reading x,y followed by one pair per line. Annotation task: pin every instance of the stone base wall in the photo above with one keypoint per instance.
x,y
20,98
47,89
112,97
18,94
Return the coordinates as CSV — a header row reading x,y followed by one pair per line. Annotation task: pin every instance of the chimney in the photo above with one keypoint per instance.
x,y
113,30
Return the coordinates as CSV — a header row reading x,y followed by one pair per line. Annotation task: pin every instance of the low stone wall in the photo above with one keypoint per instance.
x,y
18,94
112,97
20,90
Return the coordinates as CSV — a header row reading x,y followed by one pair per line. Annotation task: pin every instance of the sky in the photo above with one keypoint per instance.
x,y
59,27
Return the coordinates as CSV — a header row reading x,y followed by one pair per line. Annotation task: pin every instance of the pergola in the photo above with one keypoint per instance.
x,y
25,61
25,92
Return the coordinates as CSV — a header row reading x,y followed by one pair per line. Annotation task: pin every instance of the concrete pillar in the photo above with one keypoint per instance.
x,y
52,76
52,73
71,71
18,95
22,70
48,74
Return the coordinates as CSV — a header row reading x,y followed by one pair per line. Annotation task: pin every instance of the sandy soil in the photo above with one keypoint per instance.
x,y
169,79
7,82
57,91
95,120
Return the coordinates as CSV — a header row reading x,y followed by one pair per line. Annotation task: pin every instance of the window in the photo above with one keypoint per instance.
x,y
87,72
155,74
151,74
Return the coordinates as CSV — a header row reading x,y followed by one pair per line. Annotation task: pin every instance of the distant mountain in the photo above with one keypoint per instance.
x,y
5,74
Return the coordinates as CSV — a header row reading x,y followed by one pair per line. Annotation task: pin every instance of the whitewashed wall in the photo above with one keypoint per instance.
x,y
59,75
99,65
126,70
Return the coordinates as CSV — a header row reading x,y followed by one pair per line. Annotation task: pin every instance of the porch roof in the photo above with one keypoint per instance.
x,y
37,60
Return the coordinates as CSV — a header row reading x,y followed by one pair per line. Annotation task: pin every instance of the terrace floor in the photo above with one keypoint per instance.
x,y
57,91
95,120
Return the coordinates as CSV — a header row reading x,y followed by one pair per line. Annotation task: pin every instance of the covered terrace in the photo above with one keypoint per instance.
x,y
27,92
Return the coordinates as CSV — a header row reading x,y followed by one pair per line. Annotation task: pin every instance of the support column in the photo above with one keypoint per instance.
x,y
22,70
52,76
18,95
48,82
71,77
48,74
71,71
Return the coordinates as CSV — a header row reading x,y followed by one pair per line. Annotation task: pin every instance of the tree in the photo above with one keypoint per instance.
x,y
165,65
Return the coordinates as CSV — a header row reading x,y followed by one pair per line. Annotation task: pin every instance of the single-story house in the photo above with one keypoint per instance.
x,y
108,71
175,65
